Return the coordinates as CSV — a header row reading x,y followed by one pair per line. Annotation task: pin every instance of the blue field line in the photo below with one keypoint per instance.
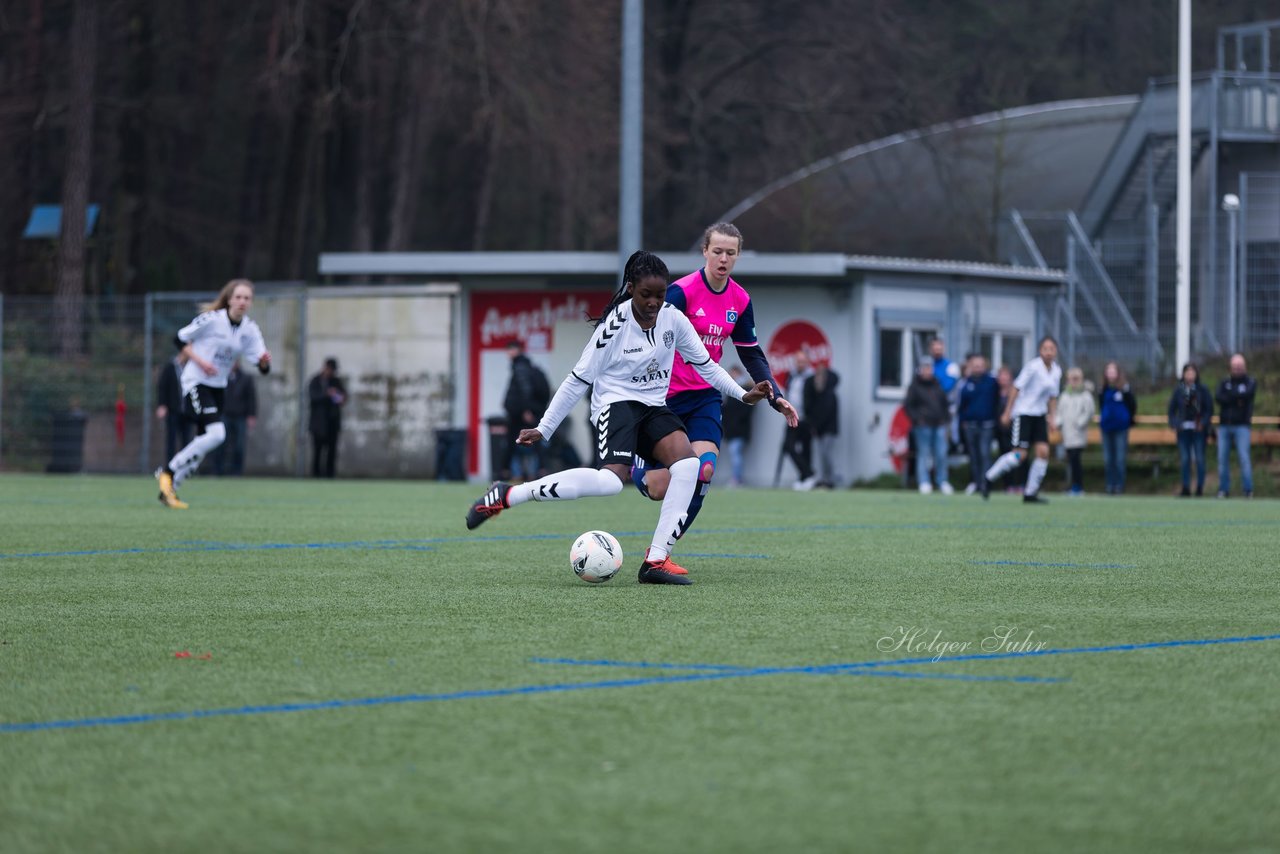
x,y
702,676
377,545
426,543
1035,563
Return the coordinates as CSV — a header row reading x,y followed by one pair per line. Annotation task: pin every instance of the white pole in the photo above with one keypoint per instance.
x,y
631,151
1182,339
1231,204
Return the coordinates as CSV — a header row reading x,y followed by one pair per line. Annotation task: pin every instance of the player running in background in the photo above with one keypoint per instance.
x,y
719,309
1031,408
212,343
627,365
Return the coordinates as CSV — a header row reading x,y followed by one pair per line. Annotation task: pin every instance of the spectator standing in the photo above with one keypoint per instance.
x,y
1075,413
328,395
822,408
1116,410
528,393
736,420
177,428
1235,419
927,407
978,410
240,415
945,371
1190,414
798,440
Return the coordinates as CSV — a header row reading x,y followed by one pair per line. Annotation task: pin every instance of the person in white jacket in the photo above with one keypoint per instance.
x,y
1075,413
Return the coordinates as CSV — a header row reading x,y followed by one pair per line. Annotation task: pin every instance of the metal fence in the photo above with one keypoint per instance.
x,y
92,407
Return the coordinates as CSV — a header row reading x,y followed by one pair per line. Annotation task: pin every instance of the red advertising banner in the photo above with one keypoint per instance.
x,y
499,317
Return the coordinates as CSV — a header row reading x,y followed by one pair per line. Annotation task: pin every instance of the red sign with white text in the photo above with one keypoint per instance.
x,y
530,317
796,336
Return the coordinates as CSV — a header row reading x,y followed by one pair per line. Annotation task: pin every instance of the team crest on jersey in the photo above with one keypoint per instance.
x,y
731,317
668,338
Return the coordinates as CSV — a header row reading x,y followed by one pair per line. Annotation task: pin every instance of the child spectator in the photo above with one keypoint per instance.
x,y
979,399
1075,412
927,407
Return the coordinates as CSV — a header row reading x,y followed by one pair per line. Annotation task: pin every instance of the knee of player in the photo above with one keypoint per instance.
x,y
706,466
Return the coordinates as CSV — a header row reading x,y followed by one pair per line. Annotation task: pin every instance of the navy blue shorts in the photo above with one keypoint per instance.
x,y
700,411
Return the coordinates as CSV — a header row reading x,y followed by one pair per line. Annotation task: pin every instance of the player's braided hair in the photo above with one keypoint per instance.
x,y
639,265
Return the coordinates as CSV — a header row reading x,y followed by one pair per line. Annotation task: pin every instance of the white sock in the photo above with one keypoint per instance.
x,y
675,506
1036,475
188,459
566,485
1007,463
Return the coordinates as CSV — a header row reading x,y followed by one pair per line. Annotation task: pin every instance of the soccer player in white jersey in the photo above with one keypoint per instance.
x,y
1031,408
221,334
627,366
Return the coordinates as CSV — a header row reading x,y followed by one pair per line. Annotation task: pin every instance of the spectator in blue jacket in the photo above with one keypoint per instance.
x,y
1235,417
1190,414
979,409
1117,408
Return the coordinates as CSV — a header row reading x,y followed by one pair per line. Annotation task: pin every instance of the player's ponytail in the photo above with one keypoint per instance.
x,y
638,266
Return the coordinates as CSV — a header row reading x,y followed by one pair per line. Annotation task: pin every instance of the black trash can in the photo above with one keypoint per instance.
x,y
67,446
451,451
499,447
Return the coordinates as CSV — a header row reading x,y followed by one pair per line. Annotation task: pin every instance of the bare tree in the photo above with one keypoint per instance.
x,y
69,320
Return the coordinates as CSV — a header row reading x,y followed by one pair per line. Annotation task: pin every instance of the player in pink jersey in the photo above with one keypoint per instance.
x,y
720,310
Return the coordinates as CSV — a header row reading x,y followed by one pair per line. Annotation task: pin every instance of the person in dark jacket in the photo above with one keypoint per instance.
x,y
177,429
930,413
1235,419
822,410
978,412
239,414
1190,415
528,393
1117,408
327,394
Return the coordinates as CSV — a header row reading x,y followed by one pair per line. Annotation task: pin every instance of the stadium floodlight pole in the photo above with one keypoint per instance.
x,y
1231,204
631,150
1182,332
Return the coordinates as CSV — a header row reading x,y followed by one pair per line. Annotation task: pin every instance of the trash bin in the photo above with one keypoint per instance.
x,y
67,446
499,447
451,450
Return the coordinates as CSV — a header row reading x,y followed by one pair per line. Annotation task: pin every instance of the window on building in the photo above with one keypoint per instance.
x,y
1003,348
900,348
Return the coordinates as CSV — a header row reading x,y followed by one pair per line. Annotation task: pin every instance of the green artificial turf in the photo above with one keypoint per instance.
x,y
302,592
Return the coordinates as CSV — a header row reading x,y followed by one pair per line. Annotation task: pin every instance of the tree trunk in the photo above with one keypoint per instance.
x,y
69,294
410,136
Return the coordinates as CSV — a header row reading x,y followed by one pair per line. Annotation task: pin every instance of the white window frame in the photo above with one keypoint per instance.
x,y
997,345
911,324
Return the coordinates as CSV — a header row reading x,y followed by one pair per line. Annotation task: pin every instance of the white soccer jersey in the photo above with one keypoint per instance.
x,y
624,362
1035,385
214,338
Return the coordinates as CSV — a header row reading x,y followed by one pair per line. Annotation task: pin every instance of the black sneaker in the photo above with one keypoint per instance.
x,y
488,505
1034,498
1185,493
655,572
986,489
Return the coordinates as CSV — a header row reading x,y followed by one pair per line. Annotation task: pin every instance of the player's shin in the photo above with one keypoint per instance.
x,y
673,516
566,486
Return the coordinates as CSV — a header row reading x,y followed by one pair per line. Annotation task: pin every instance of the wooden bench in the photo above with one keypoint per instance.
x,y
1153,431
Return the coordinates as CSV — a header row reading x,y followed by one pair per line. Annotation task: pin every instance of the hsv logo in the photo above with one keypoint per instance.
x,y
731,317
796,336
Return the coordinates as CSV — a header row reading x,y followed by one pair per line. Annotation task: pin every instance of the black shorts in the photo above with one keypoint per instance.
x,y
1029,430
203,405
628,428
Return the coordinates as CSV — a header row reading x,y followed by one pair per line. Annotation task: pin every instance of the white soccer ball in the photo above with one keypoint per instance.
x,y
596,556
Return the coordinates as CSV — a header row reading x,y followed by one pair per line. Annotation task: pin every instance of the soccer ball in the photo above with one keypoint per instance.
x,y
596,556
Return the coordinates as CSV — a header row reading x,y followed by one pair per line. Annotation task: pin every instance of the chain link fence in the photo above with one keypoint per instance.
x,y
93,407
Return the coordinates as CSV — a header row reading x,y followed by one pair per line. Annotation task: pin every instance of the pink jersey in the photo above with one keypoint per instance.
x,y
716,317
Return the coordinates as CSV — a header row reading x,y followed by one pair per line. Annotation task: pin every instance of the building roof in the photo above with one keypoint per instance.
x,y
784,265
